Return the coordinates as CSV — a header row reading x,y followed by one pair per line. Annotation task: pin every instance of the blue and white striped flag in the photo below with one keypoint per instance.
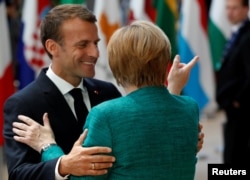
x,y
193,40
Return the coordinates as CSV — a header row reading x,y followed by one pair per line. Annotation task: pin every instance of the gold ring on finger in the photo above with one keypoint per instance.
x,y
93,166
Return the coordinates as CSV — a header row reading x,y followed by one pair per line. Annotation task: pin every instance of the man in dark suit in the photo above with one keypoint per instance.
x,y
233,85
70,37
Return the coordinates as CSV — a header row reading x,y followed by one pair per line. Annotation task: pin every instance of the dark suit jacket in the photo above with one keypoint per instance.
x,y
233,79
37,98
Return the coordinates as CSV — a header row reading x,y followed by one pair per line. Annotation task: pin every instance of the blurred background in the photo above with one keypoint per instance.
x,y
194,27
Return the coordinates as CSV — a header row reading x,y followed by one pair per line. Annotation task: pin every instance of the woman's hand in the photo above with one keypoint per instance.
x,y
32,133
179,74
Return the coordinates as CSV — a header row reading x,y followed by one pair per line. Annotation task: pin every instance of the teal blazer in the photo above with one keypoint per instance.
x,y
153,135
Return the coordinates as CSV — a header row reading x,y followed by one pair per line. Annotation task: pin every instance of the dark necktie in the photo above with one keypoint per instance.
x,y
80,107
230,43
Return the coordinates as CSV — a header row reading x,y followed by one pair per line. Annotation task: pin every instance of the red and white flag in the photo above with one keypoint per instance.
x,y
6,71
142,10
31,54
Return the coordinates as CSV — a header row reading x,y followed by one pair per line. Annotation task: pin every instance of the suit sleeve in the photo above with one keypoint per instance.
x,y
244,54
23,162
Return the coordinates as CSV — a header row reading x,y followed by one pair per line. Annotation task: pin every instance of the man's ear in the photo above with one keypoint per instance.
x,y
52,47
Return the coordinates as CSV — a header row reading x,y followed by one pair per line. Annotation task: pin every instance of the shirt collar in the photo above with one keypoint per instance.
x,y
236,27
60,83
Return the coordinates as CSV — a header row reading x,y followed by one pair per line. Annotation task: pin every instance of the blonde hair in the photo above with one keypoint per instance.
x,y
139,54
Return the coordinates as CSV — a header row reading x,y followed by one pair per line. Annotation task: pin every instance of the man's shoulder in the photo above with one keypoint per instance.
x,y
97,83
34,87
245,30
101,87
28,92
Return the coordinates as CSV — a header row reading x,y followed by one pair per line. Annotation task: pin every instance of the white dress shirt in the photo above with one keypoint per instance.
x,y
64,87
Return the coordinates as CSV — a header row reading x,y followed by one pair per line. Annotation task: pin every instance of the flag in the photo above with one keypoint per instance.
x,y
193,40
31,54
141,10
162,12
109,19
72,1
145,10
6,71
166,19
219,31
150,9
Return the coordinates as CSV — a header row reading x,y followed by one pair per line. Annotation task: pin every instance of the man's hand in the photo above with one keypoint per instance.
x,y
86,160
179,74
32,133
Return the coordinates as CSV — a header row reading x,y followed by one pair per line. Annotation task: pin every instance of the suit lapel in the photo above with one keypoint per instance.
x,y
54,97
93,91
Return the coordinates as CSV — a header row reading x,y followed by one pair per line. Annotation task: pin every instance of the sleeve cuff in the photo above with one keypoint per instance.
x,y
51,152
58,176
